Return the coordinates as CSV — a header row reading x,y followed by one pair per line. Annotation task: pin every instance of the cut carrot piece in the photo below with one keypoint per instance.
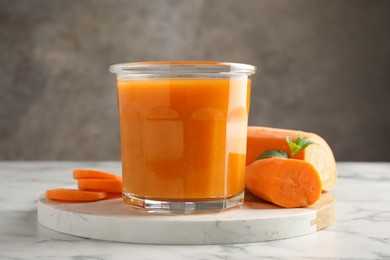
x,y
74,195
261,139
288,183
106,185
93,174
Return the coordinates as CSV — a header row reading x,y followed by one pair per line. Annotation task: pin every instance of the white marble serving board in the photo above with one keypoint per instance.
x,y
254,221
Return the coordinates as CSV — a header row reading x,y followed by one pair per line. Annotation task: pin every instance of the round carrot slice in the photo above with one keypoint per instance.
x,y
93,174
105,185
71,195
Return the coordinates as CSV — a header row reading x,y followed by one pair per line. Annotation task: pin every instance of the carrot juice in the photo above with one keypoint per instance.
x,y
183,139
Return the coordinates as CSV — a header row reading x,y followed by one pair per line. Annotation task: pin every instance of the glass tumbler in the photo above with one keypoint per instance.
x,y
183,128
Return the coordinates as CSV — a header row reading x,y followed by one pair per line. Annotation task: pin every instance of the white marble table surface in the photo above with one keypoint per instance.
x,y
361,230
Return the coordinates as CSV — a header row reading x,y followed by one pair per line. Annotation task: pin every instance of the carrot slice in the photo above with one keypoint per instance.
x,y
106,185
93,174
288,183
74,195
261,139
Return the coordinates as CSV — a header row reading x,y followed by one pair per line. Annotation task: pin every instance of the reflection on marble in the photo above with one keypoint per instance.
x,y
361,230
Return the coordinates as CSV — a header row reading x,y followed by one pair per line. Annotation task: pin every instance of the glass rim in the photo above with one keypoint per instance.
x,y
183,67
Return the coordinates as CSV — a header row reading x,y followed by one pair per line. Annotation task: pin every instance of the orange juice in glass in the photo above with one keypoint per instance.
x,y
183,132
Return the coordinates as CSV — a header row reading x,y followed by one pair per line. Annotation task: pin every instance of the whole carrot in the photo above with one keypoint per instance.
x,y
262,139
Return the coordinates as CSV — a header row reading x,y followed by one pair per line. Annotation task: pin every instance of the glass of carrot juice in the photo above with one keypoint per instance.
x,y
183,128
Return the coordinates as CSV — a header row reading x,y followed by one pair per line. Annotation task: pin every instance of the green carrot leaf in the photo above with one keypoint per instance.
x,y
299,144
273,154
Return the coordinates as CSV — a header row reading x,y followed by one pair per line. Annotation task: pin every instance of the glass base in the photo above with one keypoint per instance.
x,y
182,207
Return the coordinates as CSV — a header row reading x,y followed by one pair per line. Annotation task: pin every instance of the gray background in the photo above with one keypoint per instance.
x,y
324,67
